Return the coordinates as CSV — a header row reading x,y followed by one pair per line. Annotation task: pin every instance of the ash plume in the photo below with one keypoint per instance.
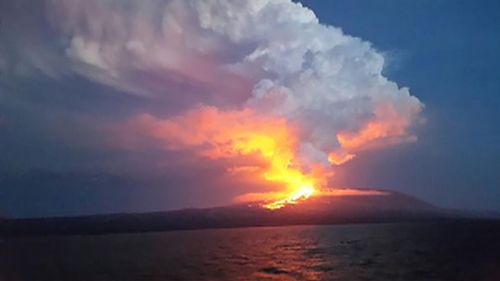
x,y
261,79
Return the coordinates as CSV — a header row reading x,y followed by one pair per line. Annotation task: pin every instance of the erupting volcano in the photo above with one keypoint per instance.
x,y
302,193
264,149
259,87
283,109
270,144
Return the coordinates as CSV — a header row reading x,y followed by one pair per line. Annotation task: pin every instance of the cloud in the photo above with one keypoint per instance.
x,y
261,71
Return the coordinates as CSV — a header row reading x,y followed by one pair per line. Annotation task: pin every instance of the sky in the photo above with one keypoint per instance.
x,y
159,105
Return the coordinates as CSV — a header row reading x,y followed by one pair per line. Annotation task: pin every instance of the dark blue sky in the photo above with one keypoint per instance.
x,y
446,52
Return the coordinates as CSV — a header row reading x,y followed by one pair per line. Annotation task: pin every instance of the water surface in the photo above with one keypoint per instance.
x,y
426,251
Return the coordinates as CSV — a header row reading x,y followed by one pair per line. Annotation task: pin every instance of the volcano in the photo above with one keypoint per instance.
x,y
381,207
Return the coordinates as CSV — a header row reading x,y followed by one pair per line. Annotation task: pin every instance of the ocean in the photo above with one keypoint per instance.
x,y
446,250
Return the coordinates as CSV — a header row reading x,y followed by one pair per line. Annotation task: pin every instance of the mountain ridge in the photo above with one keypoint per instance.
x,y
389,207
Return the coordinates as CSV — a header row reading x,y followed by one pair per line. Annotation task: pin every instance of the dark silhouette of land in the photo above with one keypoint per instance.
x,y
392,207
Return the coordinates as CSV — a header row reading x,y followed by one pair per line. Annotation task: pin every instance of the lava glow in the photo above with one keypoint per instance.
x,y
301,194
270,143
263,150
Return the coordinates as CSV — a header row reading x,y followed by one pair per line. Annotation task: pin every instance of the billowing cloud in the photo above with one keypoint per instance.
x,y
260,79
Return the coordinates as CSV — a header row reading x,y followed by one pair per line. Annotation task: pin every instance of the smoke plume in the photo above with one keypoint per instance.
x,y
261,79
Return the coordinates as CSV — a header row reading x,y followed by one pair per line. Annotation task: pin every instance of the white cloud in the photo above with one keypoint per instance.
x,y
270,56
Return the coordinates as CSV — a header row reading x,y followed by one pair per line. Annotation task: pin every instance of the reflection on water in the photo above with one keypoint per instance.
x,y
444,251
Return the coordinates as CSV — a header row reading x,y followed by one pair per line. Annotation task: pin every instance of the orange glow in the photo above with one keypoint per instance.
x,y
387,128
242,133
351,192
302,193
339,158
264,149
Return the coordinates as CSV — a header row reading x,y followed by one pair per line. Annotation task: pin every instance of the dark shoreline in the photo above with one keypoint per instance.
x,y
166,221
391,208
